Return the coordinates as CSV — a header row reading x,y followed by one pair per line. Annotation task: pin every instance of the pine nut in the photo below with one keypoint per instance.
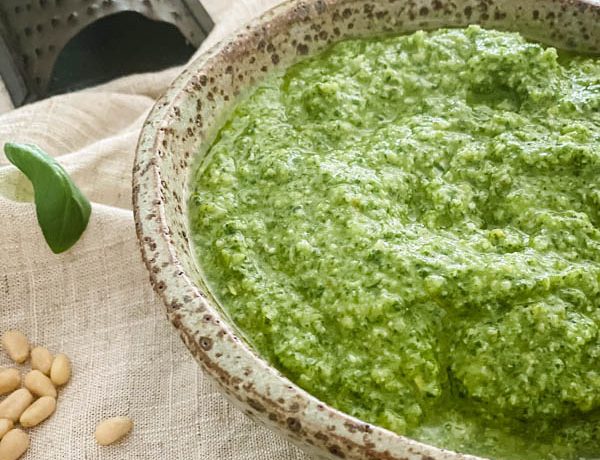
x,y
61,370
10,380
113,429
41,359
15,404
39,384
16,345
39,411
5,426
14,444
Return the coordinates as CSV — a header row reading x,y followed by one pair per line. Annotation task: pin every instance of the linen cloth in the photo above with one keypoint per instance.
x,y
95,303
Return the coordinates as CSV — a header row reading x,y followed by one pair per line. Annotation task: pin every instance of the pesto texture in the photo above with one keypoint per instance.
x,y
409,229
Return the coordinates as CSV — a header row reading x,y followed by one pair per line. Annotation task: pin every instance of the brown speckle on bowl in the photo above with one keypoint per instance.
x,y
337,451
206,343
293,424
256,405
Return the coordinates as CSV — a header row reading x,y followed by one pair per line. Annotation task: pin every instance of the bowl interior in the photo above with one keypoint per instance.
x,y
213,85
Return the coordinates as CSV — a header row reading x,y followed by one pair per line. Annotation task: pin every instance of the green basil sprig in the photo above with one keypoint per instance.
x,y
62,210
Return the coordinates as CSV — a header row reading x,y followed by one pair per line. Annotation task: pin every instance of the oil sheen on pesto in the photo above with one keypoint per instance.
x,y
409,228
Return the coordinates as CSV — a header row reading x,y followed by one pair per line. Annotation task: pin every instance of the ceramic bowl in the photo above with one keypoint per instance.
x,y
183,122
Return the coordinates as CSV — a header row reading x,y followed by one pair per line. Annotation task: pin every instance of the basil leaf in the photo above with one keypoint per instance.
x,y
62,210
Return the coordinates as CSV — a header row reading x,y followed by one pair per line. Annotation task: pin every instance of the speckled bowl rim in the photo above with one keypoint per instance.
x,y
258,389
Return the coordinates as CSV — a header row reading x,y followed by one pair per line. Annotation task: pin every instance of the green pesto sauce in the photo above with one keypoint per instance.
x,y
409,228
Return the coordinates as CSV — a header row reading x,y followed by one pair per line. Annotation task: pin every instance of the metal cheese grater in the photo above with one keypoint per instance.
x,y
34,32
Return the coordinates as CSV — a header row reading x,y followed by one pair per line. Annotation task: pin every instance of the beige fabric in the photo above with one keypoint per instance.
x,y
5,102
95,303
